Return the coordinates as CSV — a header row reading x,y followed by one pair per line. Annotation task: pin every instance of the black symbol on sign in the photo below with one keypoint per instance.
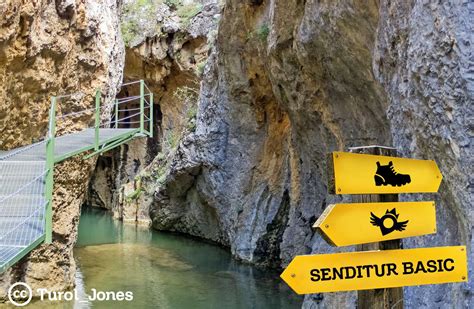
x,y
386,175
388,222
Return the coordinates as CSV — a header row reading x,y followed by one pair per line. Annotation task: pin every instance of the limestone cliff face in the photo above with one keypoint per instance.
x,y
245,114
289,81
424,58
167,45
52,48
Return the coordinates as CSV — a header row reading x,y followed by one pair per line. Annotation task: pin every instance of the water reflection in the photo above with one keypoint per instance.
x,y
167,271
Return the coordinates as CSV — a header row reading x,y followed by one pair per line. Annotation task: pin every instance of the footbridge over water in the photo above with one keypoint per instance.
x,y
26,173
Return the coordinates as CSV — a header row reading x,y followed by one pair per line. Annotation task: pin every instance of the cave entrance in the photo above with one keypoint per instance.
x,y
121,165
129,108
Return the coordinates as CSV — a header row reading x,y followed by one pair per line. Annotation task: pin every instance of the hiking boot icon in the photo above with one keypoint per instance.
x,y
386,175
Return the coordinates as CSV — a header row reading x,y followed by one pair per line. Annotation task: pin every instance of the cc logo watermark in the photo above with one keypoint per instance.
x,y
20,294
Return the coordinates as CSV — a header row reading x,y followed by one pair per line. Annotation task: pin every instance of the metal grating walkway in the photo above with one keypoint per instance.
x,y
66,145
22,206
22,188
26,173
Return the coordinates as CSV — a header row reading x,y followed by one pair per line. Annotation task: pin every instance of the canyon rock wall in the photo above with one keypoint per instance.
x,y
282,80
424,58
246,113
286,83
55,48
167,45
289,81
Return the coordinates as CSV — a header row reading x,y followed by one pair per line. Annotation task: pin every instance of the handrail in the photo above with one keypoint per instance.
x,y
50,174
151,115
132,109
17,151
97,120
50,140
130,83
145,121
116,113
142,106
128,99
52,145
131,116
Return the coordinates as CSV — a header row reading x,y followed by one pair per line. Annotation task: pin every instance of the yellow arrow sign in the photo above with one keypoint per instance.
x,y
369,174
360,223
308,274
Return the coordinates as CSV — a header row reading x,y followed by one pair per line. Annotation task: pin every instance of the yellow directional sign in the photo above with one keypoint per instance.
x,y
308,274
370,174
359,223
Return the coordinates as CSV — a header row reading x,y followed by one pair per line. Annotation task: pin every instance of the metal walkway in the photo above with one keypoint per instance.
x,y
26,173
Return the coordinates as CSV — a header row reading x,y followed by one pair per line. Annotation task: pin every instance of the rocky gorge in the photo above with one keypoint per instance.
x,y
55,48
250,97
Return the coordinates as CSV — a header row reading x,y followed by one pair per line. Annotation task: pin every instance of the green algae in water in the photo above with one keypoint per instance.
x,y
169,271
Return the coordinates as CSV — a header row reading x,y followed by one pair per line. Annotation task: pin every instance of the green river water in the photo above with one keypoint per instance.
x,y
167,271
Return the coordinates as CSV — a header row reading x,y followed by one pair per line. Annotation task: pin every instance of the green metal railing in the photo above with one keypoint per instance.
x,y
27,182
97,120
50,172
98,146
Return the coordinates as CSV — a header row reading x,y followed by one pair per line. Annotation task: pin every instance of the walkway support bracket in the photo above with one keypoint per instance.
x,y
113,143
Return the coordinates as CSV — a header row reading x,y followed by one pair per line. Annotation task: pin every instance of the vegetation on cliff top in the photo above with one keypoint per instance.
x,y
140,15
135,12
187,12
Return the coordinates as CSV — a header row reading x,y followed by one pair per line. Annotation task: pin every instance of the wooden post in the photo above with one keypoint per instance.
x,y
379,298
